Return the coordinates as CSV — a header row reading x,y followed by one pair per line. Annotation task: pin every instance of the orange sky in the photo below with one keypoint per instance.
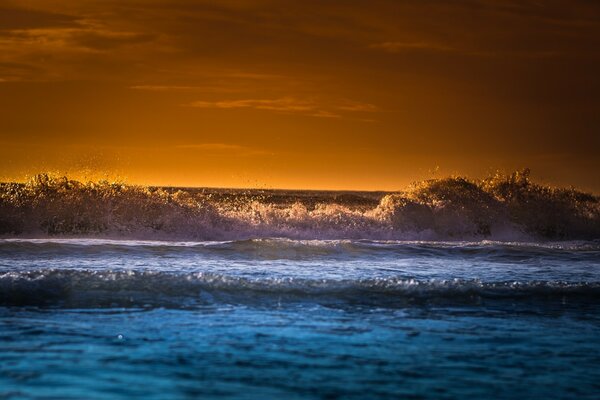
x,y
300,94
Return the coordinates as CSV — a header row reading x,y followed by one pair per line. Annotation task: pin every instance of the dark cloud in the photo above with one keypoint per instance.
x,y
21,18
109,40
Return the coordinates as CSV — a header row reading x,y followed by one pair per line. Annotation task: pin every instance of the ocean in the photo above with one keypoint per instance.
x,y
457,289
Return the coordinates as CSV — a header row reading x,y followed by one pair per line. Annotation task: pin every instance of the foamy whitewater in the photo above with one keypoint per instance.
x,y
452,289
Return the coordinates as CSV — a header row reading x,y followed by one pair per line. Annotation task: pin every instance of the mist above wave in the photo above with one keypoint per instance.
x,y
499,207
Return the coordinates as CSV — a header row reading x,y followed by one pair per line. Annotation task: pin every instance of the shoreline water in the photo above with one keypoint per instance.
x,y
454,289
305,319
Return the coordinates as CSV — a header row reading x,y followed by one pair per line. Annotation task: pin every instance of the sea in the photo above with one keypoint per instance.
x,y
110,291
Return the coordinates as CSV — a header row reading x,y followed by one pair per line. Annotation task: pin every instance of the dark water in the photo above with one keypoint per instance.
x,y
282,318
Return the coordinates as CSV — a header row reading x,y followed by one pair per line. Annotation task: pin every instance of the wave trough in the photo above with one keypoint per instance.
x,y
80,288
88,273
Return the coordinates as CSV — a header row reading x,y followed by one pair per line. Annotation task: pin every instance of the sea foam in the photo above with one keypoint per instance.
x,y
499,207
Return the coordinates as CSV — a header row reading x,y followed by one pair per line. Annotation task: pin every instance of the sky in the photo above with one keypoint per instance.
x,y
300,94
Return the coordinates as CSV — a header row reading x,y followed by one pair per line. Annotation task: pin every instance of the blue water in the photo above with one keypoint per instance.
x,y
278,318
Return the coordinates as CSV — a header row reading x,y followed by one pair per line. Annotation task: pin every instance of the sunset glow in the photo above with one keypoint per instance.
x,y
309,94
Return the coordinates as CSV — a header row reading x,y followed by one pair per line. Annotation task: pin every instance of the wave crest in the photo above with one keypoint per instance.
x,y
458,207
501,207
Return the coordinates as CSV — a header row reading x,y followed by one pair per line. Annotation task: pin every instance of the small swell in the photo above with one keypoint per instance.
x,y
500,208
84,288
290,249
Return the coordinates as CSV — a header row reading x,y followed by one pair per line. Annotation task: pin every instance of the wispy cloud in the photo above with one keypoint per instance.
x,y
163,88
290,105
397,47
285,104
23,18
107,40
358,107
218,80
250,75
38,45
72,39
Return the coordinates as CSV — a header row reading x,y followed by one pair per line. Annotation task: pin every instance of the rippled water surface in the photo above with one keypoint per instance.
x,y
280,318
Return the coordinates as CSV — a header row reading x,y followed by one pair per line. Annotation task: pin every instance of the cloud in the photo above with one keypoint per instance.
x,y
99,40
397,47
220,80
69,39
250,75
223,88
358,107
285,104
290,105
325,114
162,88
21,18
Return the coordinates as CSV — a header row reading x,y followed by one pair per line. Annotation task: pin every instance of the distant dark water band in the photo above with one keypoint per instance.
x,y
81,288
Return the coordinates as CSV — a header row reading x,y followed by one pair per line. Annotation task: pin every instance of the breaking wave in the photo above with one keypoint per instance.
x,y
499,207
